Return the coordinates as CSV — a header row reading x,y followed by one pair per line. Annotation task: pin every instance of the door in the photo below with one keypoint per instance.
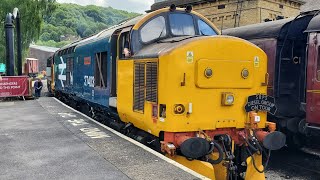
x,y
313,80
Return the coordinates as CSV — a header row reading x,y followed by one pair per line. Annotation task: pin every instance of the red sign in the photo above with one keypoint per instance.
x,y
11,86
87,60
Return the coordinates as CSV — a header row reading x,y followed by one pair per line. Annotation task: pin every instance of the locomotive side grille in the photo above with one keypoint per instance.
x,y
139,82
145,84
151,81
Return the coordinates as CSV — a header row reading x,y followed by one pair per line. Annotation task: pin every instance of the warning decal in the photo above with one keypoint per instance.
x,y
190,57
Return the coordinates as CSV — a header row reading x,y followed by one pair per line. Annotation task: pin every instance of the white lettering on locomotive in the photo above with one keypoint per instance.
x,y
89,81
62,68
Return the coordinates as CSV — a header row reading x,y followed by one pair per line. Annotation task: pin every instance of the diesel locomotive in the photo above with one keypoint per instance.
x,y
293,50
192,94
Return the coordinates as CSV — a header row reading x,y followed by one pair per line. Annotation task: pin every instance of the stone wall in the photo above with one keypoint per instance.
x,y
42,54
233,13
230,13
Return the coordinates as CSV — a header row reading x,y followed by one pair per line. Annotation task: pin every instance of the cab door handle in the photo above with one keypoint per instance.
x,y
266,80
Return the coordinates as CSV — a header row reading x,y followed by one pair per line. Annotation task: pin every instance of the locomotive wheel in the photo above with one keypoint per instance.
x,y
295,141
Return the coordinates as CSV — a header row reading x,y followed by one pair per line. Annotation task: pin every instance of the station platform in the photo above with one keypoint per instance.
x,y
45,139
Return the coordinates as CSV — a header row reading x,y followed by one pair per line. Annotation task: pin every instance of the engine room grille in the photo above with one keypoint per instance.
x,y
139,81
151,81
145,84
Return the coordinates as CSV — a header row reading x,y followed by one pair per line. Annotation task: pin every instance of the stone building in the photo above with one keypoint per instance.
x,y
42,53
233,13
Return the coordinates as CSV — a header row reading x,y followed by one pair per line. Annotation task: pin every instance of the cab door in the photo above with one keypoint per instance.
x,y
313,80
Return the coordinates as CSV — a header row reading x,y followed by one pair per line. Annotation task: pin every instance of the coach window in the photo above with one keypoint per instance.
x,y
182,24
154,29
318,64
205,29
100,70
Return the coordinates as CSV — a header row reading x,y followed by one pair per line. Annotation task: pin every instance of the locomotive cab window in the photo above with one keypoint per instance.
x,y
153,30
182,24
124,44
205,29
100,70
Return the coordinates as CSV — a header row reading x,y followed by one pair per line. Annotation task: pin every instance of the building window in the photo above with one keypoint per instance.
x,y
221,6
280,6
100,70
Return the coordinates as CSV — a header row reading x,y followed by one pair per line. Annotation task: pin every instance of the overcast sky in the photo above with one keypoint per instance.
x,y
129,5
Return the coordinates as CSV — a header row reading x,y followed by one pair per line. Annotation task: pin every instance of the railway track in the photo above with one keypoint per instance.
x,y
295,164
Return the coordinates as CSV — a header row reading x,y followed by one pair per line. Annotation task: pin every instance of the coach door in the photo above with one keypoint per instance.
x,y
313,80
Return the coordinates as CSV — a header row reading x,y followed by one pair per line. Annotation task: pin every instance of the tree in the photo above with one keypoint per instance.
x,y
32,14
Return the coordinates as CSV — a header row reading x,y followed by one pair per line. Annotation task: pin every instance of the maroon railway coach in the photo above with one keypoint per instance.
x,y
293,49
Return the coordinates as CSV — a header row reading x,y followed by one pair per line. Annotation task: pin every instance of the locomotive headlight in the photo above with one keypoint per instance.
x,y
227,99
179,109
245,73
208,72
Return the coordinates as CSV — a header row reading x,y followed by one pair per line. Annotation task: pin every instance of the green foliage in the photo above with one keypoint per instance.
x,y
46,22
32,13
70,21
52,43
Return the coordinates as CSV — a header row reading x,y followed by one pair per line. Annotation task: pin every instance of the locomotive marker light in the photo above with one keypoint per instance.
x,y
179,109
245,73
208,73
188,8
190,108
173,7
227,99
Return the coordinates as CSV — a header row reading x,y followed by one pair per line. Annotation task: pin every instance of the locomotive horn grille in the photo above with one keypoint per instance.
x,y
152,81
145,84
139,81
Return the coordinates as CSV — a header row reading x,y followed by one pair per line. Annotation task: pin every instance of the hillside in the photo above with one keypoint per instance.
x,y
70,22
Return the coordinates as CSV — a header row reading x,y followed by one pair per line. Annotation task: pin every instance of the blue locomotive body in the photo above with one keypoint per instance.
x,y
76,65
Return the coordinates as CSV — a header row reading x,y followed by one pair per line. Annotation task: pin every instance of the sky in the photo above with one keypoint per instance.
x,y
139,6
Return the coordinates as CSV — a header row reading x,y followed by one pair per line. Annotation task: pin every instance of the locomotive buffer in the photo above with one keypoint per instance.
x,y
44,139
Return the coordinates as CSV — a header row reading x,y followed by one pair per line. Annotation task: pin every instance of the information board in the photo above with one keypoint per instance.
x,y
261,102
11,86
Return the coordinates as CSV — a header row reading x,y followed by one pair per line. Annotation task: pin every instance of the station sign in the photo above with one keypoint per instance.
x,y
12,86
261,102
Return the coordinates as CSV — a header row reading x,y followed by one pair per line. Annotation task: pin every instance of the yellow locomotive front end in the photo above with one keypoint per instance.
x,y
204,84
203,96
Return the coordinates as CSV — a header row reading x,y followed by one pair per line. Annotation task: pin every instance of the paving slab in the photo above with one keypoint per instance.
x,y
44,139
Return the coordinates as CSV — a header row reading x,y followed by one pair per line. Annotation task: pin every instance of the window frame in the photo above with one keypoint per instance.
x,y
102,57
165,16
196,31
318,63
198,27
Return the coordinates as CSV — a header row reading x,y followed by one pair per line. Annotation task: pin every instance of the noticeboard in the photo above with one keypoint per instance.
x,y
11,86
261,102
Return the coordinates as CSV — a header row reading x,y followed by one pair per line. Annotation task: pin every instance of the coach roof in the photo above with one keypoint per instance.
x,y
314,24
256,31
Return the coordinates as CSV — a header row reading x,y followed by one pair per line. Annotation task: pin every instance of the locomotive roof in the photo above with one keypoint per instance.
x,y
314,24
104,33
255,31
135,23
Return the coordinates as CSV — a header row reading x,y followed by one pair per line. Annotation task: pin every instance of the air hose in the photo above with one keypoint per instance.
x,y
214,144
